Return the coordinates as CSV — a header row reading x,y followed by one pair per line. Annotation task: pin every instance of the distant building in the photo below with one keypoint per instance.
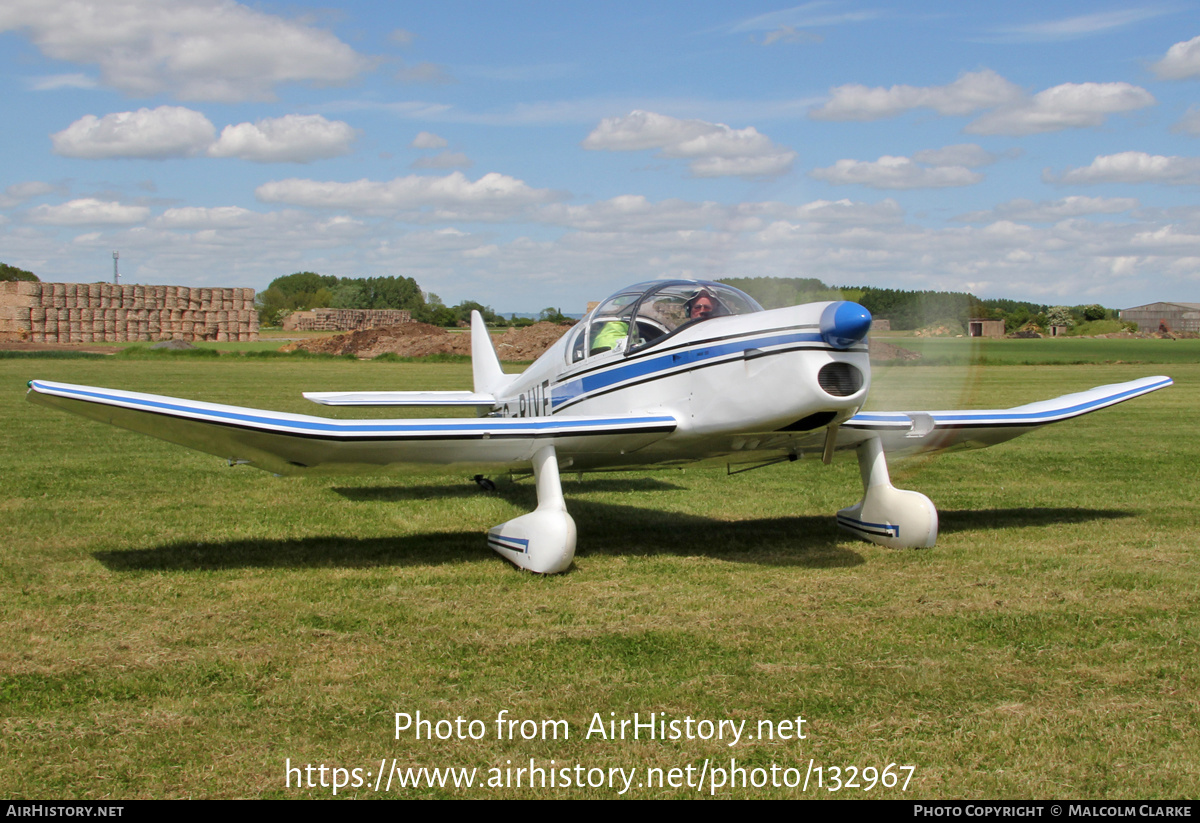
x,y
1175,316
1059,331
978,327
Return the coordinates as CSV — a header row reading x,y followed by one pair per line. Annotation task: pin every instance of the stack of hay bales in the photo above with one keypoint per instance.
x,y
345,319
101,312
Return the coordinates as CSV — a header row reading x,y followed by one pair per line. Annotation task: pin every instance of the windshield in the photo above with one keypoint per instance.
x,y
641,315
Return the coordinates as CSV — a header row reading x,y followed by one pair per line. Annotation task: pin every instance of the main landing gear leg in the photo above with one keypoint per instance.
x,y
542,541
886,515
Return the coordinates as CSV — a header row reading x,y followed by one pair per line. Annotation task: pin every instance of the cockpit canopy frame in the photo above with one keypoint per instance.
x,y
645,314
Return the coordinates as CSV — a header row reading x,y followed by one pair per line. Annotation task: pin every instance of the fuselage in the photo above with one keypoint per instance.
x,y
731,382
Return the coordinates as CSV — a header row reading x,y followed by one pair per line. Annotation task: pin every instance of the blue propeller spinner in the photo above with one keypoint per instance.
x,y
844,323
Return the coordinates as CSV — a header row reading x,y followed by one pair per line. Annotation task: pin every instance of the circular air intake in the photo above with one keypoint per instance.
x,y
840,379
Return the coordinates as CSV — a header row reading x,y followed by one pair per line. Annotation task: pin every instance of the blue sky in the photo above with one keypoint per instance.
x,y
547,153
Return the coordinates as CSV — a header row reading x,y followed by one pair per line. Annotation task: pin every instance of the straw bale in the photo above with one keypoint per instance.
x,y
27,288
37,314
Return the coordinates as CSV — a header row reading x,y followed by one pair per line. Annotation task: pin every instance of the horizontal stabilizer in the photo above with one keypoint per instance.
x,y
298,443
402,398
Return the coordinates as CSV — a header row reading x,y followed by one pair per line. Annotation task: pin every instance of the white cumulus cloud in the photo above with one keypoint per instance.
x,y
635,213
88,211
712,149
198,217
1181,61
971,92
428,140
896,173
1189,124
192,49
1067,106
167,131
294,138
18,193
970,155
1133,167
1051,211
491,197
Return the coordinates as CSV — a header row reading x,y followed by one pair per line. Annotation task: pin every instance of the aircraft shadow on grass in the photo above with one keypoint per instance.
x,y
613,530
965,520
386,494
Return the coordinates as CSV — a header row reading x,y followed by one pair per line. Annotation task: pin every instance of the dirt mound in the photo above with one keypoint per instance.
x,y
886,352
530,342
421,339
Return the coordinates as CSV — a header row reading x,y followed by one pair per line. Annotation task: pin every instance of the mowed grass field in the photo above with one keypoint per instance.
x,y
172,627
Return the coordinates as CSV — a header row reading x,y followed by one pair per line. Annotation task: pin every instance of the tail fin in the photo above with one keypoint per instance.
x,y
485,365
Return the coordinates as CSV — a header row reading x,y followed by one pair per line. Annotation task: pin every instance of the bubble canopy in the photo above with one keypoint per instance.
x,y
644,314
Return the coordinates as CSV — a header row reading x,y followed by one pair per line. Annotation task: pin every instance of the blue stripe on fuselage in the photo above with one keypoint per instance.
x,y
623,371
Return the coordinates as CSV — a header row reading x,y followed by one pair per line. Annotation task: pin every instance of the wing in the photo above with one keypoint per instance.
x,y
300,444
905,433
479,400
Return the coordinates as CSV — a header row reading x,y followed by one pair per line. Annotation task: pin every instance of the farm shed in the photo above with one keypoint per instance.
x,y
1175,316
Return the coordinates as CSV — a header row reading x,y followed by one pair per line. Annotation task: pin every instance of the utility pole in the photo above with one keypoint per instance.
x,y
116,274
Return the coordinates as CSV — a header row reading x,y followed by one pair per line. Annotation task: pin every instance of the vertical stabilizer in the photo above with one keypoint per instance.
x,y
485,365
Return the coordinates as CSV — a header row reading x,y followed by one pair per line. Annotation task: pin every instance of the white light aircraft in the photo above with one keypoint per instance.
x,y
664,373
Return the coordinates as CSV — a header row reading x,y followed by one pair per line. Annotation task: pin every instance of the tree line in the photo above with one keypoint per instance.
x,y
8,273
308,290
918,309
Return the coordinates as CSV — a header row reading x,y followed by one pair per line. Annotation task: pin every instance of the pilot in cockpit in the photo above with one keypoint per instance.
x,y
702,306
